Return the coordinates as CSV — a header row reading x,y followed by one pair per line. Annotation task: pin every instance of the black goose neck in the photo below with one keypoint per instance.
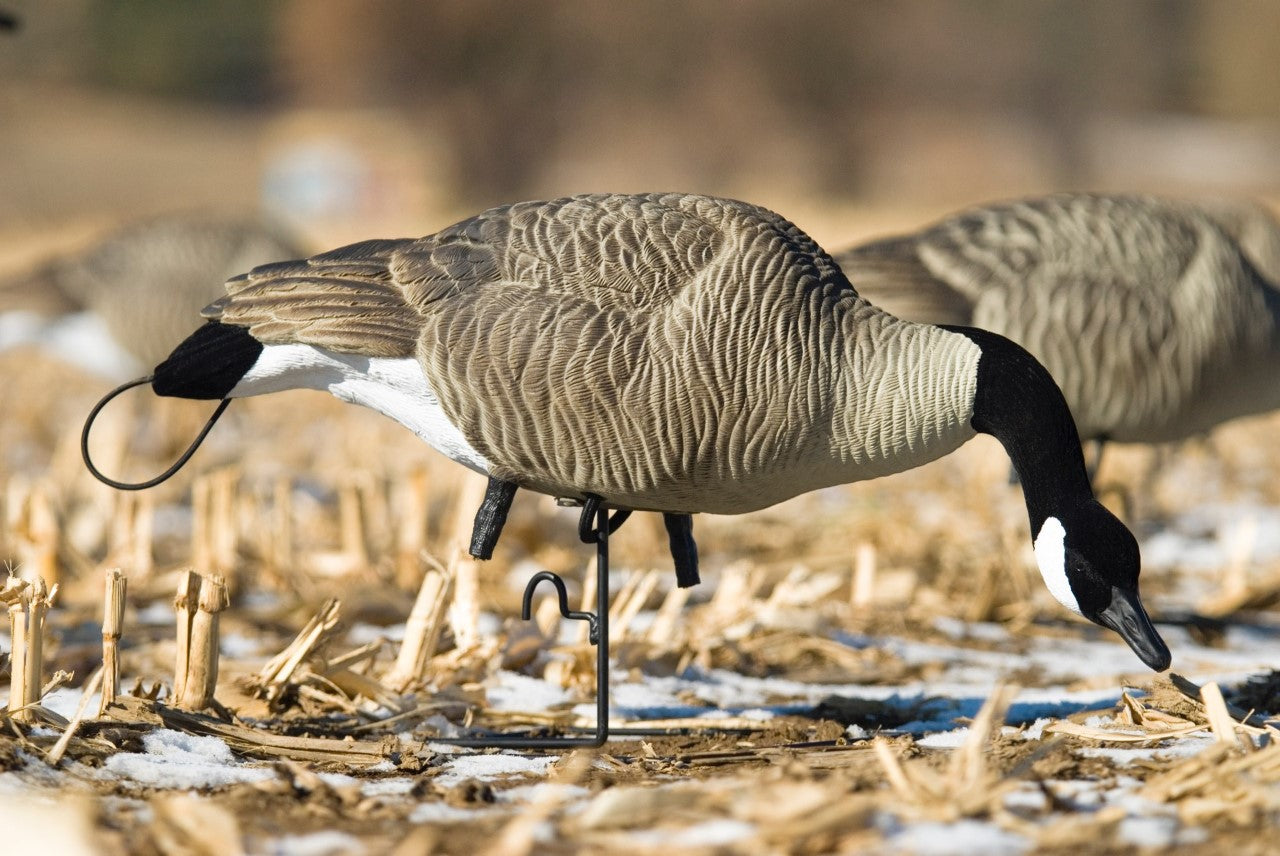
x,y
1017,402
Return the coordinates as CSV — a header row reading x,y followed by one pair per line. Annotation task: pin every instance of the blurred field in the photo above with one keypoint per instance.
x,y
841,648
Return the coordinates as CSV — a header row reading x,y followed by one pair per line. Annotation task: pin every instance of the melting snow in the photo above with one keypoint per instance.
x,y
962,838
181,761
945,739
523,693
711,833
327,843
487,767
1148,831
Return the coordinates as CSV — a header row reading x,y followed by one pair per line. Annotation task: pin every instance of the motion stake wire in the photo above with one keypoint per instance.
x,y
164,476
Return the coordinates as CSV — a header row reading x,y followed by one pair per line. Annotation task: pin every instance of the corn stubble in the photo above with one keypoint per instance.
x,y
347,541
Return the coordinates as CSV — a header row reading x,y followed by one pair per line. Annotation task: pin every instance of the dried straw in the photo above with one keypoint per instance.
x,y
280,550
194,826
278,673
351,526
29,603
629,602
864,576
1223,725
223,531
184,605
969,787
112,627
662,632
202,655
423,629
464,613
90,687
411,534
34,526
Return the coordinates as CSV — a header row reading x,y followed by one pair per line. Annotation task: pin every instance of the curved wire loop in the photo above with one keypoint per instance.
x,y
526,609
587,532
164,476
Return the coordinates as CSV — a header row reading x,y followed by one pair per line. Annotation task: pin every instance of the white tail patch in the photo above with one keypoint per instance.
x,y
1051,556
394,387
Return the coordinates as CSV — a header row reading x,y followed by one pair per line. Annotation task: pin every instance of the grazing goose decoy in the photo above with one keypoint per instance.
x,y
136,289
672,353
1158,319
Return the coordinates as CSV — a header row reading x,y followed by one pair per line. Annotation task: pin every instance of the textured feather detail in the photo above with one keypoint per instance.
x,y
666,351
345,300
1150,314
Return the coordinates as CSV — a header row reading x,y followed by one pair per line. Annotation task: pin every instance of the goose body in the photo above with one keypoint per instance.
x,y
1156,318
134,288
665,352
670,371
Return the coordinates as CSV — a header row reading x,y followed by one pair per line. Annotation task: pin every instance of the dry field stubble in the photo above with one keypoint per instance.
x,y
840,676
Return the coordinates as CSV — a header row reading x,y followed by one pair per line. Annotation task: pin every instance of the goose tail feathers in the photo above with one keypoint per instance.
x,y
208,364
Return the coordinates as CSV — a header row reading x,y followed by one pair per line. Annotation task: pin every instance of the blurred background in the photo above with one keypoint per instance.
x,y
346,120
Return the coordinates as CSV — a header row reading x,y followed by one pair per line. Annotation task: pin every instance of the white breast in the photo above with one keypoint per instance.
x,y
395,387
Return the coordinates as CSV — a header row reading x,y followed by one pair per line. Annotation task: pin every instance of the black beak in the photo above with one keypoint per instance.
x,y
1126,616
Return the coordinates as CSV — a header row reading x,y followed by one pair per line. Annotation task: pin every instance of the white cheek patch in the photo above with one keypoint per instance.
x,y
394,387
1051,556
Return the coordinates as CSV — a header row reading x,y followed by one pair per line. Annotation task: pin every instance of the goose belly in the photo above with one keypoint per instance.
x,y
393,386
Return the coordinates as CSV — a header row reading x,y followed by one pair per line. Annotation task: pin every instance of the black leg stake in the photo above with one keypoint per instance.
x,y
683,548
594,527
491,517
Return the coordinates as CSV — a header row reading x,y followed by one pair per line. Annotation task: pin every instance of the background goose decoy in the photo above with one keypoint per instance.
x,y
673,353
1158,319
132,293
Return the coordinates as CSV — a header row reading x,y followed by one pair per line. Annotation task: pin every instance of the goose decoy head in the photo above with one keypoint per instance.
x,y
1089,560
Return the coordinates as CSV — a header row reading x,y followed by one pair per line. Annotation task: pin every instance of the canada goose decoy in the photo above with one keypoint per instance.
x,y
140,284
1157,318
672,353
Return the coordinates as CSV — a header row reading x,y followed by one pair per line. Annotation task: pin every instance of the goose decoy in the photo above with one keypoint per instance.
x,y
136,288
1158,319
670,353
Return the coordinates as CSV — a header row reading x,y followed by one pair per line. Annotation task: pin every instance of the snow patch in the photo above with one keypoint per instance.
x,y
711,833
515,692
182,761
327,843
489,767
1148,831
962,838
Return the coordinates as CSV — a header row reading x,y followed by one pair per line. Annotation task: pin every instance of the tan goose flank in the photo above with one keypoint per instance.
x,y
146,279
1156,317
667,352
